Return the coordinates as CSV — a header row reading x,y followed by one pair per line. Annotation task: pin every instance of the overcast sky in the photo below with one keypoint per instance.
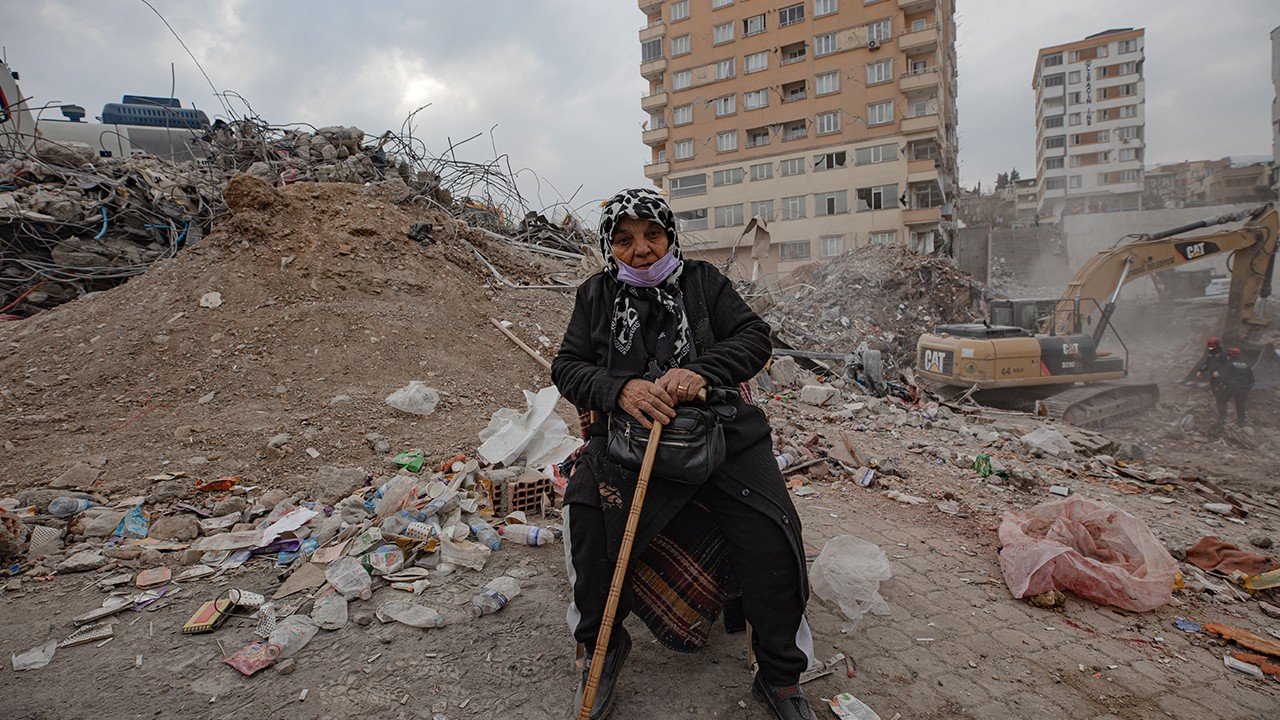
x,y
560,78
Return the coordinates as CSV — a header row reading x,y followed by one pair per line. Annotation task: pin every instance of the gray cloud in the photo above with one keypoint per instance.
x,y
560,78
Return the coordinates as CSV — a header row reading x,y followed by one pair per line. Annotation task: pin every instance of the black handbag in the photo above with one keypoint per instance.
x,y
691,447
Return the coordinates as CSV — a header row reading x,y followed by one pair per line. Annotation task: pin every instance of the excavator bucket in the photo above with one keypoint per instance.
x,y
1266,371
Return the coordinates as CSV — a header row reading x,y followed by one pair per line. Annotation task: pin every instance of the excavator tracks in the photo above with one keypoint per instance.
x,y
1101,404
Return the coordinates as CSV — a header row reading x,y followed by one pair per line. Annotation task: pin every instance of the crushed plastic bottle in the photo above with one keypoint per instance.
x,y
68,506
494,595
397,523
349,578
485,534
526,534
291,635
443,505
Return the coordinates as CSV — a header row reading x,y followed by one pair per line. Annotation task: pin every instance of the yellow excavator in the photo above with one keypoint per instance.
x,y
1059,368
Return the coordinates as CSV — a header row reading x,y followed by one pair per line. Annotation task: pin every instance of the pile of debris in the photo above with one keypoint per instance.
x,y
73,223
881,295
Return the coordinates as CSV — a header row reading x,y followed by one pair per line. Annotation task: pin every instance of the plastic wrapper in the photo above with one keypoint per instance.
x,y
848,573
415,398
1092,549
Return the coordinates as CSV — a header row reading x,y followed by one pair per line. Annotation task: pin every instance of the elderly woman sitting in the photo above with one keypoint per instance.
x,y
649,333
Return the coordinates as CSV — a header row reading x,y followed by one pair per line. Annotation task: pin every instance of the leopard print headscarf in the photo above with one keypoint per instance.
x,y
643,204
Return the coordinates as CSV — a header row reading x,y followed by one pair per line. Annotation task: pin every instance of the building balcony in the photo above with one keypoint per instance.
x,y
919,41
922,216
654,102
650,32
649,7
921,170
926,79
655,170
911,6
653,68
920,123
656,136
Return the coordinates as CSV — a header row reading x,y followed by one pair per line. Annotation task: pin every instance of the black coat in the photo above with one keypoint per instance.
x,y
732,344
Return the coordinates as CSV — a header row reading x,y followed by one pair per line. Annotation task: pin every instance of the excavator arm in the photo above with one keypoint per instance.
x,y
1090,297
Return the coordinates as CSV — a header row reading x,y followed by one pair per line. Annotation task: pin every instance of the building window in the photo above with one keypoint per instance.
x,y
728,215
824,44
795,52
880,31
1053,163
684,149
688,186
1055,141
1127,46
1054,80
1075,181
650,50
753,25
724,69
1127,111
832,203
757,137
726,105
681,46
794,130
792,208
682,115
762,209
791,15
794,250
1127,133
876,154
828,161
828,122
717,4
831,245
883,237
877,197
1055,183
825,7
726,141
1073,119
763,171
691,220
879,71
1053,122
1052,60
794,166
918,150
926,195
827,83
1128,176
1127,154
1073,77
679,10
755,62
722,33
681,80
880,113
656,122
1074,98
755,99
727,177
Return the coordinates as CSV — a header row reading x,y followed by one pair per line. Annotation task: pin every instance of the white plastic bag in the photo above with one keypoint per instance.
x,y
537,434
848,573
415,398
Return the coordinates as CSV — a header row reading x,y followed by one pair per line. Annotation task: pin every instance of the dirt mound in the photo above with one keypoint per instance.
x,y
326,307
884,295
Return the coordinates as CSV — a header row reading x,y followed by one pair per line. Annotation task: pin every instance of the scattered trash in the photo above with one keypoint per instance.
x,y
848,707
347,575
1187,626
411,460
1244,638
250,659
848,573
35,658
495,595
154,577
89,633
526,534
1242,667
905,498
1096,551
414,398
291,635
67,506
537,434
409,613
1215,555
223,483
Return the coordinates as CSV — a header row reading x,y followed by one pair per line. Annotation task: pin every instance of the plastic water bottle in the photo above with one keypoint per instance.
x,y
397,523
784,460
485,534
349,578
68,506
291,635
526,534
442,505
494,595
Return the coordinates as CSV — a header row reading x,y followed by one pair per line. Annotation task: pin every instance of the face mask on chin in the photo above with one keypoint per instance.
x,y
651,276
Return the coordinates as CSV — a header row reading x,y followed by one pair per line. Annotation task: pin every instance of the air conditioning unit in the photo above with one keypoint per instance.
x,y
873,44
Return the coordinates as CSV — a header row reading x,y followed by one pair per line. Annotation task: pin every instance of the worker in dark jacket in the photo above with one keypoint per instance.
x,y
1237,381
647,334
1214,359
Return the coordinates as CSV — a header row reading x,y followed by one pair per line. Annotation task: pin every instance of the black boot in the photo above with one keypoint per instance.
x,y
787,703
613,661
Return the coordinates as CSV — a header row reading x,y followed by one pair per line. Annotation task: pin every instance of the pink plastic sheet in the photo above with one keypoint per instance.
x,y
1092,549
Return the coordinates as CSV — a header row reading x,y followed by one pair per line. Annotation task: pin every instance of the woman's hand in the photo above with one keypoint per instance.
x,y
647,402
682,385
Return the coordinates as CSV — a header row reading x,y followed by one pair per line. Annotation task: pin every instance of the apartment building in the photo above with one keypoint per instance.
x,y
1090,98
832,120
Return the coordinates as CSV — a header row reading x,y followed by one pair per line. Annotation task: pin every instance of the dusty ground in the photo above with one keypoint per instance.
x,y
359,311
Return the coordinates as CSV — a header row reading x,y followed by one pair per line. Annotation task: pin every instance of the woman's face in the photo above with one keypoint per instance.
x,y
639,243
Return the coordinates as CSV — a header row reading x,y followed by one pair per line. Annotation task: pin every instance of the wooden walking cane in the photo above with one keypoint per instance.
x,y
619,575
